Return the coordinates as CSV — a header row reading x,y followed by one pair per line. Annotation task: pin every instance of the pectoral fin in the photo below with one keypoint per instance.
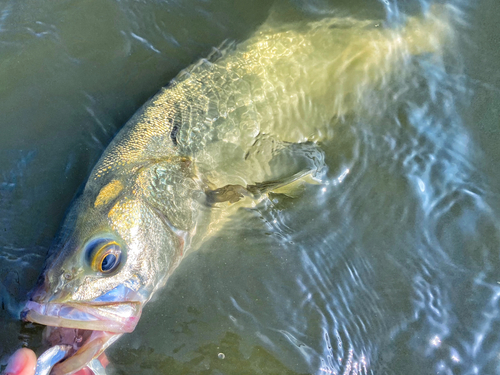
x,y
228,193
295,185
291,186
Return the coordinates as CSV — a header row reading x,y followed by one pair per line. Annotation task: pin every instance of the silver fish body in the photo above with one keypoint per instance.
x,y
141,207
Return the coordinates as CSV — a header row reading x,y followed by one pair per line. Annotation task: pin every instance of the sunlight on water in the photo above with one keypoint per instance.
x,y
385,263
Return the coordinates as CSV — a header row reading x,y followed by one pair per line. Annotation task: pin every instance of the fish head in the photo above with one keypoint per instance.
x,y
113,252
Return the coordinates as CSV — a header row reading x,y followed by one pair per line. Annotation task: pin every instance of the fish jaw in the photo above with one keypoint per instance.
x,y
86,346
88,327
121,317
92,348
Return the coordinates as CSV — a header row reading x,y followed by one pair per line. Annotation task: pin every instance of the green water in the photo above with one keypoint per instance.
x,y
390,268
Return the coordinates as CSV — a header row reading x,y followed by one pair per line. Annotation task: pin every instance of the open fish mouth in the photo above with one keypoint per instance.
x,y
88,328
86,345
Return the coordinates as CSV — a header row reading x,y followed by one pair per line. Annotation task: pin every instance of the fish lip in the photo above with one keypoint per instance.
x,y
100,323
119,317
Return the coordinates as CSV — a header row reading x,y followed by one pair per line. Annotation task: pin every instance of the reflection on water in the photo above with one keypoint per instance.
x,y
388,266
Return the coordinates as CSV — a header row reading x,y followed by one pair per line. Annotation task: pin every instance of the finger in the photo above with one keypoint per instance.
x,y
86,371
104,360
22,362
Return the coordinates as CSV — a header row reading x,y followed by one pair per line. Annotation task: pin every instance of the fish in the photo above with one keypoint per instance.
x,y
196,152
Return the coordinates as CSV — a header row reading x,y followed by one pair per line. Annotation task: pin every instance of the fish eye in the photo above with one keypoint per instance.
x,y
104,257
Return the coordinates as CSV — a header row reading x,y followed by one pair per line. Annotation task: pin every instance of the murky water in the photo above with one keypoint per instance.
x,y
388,267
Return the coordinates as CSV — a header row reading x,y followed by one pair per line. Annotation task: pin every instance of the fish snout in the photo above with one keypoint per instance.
x,y
40,292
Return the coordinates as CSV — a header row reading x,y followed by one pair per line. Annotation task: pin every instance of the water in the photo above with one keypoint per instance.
x,y
389,267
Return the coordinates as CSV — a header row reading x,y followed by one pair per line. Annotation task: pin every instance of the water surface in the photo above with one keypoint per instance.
x,y
388,267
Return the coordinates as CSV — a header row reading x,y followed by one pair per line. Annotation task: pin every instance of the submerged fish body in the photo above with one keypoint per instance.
x,y
142,206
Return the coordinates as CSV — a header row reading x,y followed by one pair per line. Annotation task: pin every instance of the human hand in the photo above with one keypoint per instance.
x,y
23,362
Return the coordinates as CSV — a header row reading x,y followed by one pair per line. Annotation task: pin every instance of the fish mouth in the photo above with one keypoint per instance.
x,y
86,345
118,317
88,328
